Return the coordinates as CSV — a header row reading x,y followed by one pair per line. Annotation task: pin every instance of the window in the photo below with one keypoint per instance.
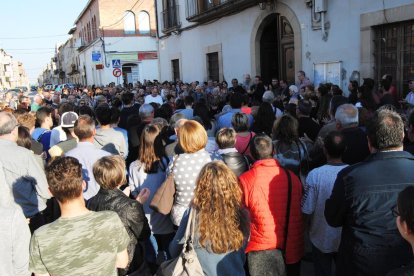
x,y
394,53
84,35
175,64
94,28
143,23
129,22
170,15
89,31
213,66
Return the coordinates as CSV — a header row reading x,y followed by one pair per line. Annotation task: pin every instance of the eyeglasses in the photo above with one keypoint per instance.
x,y
394,211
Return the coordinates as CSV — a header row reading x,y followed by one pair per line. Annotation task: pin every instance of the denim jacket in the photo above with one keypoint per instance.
x,y
230,263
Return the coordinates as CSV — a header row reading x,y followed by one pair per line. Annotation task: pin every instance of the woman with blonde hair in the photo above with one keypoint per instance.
x,y
221,225
192,139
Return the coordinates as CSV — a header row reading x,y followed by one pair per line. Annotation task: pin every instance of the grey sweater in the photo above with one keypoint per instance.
x,y
111,141
25,179
14,242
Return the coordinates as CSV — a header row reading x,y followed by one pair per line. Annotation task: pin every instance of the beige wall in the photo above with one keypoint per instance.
x,y
110,12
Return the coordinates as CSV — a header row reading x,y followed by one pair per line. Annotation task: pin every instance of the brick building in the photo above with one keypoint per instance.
x,y
106,32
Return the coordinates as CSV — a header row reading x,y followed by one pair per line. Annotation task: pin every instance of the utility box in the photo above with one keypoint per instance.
x,y
321,5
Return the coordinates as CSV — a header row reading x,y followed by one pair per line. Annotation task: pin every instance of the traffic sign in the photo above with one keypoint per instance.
x,y
96,56
117,72
116,63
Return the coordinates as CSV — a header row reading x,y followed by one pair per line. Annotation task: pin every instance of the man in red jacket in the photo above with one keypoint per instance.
x,y
265,189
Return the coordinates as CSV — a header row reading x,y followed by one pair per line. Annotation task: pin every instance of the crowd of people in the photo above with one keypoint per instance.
x,y
266,175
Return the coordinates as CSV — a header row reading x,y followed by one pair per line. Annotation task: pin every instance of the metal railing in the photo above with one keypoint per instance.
x,y
171,18
196,8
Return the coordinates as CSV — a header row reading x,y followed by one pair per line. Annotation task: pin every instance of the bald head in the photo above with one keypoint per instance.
x,y
38,99
7,123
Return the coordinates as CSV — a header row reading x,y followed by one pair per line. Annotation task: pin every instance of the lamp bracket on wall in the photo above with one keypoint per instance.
x,y
263,4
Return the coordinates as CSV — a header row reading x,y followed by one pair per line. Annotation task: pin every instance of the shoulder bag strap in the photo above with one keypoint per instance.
x,y
173,165
287,209
305,150
193,223
246,160
248,144
277,147
300,157
189,230
164,166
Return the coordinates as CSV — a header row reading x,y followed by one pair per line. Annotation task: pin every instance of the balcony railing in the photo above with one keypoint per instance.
x,y
171,19
205,10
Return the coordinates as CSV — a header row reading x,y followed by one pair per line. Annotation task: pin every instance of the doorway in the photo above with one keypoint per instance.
x,y
130,74
277,51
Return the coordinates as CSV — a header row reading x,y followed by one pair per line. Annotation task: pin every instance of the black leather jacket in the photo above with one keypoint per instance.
x,y
236,161
132,216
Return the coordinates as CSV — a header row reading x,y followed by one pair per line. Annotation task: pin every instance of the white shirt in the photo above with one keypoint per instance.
x,y
57,136
410,98
317,190
151,99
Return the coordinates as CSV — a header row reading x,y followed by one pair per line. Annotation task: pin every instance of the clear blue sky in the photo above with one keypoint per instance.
x,y
30,18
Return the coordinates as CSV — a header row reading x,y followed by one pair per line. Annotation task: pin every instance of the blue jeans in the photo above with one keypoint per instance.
x,y
157,243
163,242
266,263
322,262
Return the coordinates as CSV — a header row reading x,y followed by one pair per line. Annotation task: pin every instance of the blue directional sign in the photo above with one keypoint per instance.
x,y
116,63
96,56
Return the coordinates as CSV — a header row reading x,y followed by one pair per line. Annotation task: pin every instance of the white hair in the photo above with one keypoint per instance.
x,y
268,97
347,114
146,111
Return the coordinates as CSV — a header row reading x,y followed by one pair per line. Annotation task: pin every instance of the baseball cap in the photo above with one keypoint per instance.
x,y
68,119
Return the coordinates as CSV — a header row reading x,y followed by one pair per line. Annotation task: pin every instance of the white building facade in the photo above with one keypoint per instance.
x,y
332,41
12,72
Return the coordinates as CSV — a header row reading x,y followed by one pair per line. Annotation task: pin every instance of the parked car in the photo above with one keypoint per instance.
x,y
22,88
49,86
15,90
60,87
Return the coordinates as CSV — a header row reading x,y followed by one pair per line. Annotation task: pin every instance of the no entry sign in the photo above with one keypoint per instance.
x,y
117,72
